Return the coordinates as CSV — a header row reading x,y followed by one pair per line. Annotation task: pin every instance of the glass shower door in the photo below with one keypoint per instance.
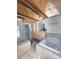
x,y
27,30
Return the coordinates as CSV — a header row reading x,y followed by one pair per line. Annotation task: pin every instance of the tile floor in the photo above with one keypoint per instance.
x,y
29,54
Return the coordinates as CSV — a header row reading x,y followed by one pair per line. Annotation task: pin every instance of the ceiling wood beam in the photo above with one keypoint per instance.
x,y
37,9
26,16
30,7
20,17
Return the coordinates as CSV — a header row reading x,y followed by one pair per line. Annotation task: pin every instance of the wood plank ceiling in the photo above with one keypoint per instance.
x,y
35,10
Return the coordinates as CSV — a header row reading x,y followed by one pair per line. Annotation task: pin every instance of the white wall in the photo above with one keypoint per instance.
x,y
53,24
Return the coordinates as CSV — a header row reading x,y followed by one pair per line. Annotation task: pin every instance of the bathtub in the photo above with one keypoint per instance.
x,y
49,48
